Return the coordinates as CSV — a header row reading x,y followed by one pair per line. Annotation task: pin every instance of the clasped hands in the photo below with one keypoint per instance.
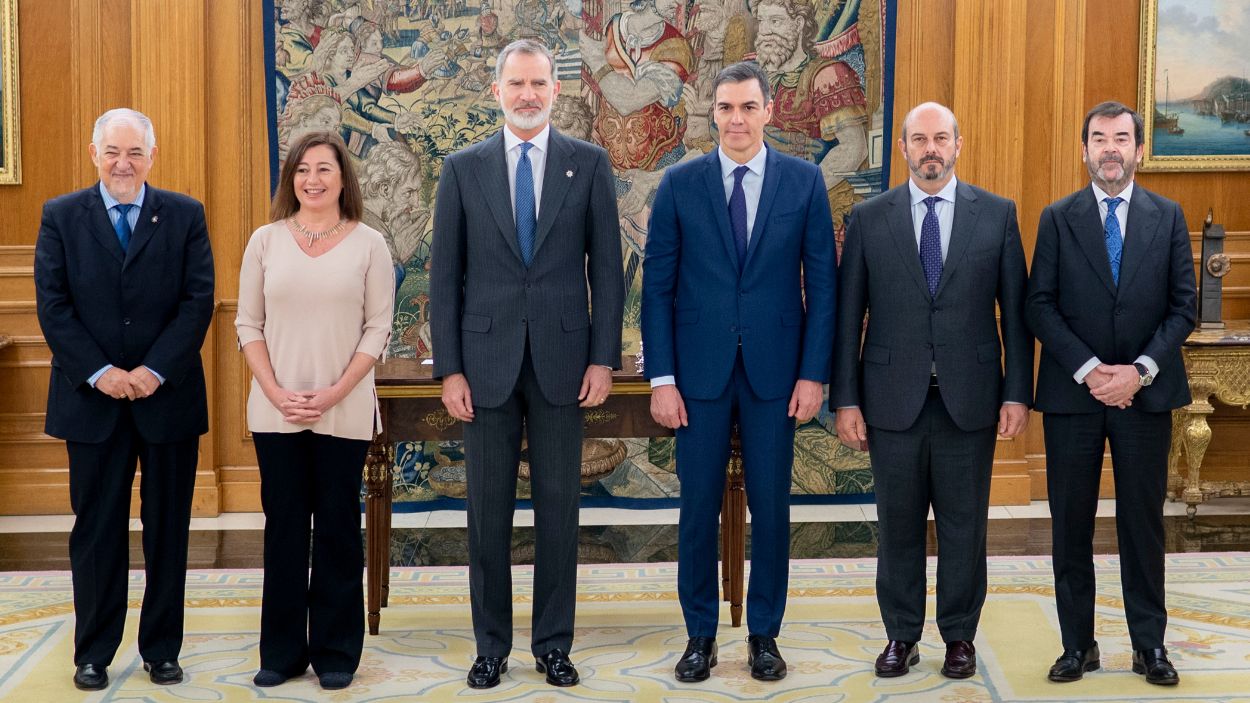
x,y
131,385
1114,386
304,407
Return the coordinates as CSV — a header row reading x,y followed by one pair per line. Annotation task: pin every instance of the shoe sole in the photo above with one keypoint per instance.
x,y
502,670
696,679
912,661
1092,666
1139,669
958,674
774,677
84,687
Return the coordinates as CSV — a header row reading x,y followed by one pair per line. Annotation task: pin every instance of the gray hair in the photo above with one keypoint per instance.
x,y
932,105
124,114
524,46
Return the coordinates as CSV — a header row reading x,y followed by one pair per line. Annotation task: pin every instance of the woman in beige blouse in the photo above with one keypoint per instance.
x,y
315,301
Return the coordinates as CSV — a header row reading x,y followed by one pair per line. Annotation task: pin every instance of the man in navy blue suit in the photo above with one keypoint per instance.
x,y
124,286
738,298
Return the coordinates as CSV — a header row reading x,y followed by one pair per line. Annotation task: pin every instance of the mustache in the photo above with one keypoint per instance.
x,y
933,159
526,104
1111,158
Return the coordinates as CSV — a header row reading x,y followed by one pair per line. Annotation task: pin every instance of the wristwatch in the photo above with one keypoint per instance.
x,y
1143,374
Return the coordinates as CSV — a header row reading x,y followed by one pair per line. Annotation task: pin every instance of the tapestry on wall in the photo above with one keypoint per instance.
x,y
408,82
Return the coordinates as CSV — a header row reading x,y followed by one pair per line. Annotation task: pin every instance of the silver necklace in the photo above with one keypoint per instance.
x,y
312,236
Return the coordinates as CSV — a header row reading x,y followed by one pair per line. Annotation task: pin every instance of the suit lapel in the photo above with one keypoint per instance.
x,y
768,192
1082,217
1143,225
148,224
903,231
716,196
558,172
101,226
492,178
963,228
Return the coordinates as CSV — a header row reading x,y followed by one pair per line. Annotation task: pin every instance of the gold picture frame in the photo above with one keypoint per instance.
x,y
10,94
1198,125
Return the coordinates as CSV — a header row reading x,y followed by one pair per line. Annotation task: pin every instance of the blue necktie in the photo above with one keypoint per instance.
x,y
122,226
1111,233
738,215
931,245
526,220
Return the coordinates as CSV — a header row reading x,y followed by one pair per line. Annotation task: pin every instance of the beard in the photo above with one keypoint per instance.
x,y
924,174
773,50
527,122
1110,186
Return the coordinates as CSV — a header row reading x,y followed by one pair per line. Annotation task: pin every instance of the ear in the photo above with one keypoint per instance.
x,y
95,156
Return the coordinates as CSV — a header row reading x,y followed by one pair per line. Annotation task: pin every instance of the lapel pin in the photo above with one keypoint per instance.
x,y
155,219
568,174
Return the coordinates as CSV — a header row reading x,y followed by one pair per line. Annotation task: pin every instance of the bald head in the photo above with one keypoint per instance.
x,y
935,109
930,144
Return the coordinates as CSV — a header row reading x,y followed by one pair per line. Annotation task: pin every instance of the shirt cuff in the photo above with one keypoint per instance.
x,y
663,381
1150,365
96,376
154,373
1082,372
848,407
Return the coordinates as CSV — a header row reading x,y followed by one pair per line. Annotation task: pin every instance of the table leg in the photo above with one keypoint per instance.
x,y
377,525
1176,484
1197,438
733,531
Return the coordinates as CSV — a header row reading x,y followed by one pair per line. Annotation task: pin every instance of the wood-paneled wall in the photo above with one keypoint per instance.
x,y
1019,75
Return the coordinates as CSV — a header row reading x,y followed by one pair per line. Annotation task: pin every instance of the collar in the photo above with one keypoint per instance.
x,y
110,202
1100,195
512,141
947,193
756,164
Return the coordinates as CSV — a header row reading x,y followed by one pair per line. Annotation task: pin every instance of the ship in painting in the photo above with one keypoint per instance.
x,y
1170,121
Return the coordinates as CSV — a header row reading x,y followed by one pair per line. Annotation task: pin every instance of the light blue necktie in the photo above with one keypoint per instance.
x,y
1111,233
526,221
122,226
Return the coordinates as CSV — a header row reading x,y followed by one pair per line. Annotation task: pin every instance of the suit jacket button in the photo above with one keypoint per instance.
x,y
733,328
524,321
1119,310
126,321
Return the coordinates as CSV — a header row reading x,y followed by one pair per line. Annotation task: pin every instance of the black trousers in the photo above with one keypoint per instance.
x,y
320,620
1139,456
932,463
492,450
100,477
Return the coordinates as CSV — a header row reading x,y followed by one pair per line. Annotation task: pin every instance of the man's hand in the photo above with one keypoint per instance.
x,y
457,398
851,428
596,385
116,383
805,400
667,407
1097,378
1012,419
1124,383
143,381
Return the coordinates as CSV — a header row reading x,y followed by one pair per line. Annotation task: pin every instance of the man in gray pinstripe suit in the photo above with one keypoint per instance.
x,y
526,244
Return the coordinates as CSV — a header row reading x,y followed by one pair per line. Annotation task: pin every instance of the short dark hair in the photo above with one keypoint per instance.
x,y
1112,109
739,73
351,202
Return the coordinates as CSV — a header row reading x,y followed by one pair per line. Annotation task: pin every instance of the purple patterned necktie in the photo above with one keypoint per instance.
x,y
738,215
931,245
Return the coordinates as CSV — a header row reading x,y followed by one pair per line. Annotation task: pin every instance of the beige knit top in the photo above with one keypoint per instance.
x,y
314,314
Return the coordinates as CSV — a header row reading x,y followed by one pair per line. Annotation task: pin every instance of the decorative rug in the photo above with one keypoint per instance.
x,y
629,636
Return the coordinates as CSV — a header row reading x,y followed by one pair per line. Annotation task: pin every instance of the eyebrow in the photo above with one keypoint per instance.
x,y
749,103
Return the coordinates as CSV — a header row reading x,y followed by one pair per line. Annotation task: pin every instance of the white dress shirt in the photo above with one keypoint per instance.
x,y
944,207
538,160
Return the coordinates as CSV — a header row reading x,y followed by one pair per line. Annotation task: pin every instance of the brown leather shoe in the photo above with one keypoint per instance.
x,y
961,660
897,659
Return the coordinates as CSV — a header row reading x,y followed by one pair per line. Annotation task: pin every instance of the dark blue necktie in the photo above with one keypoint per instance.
x,y
526,220
931,245
122,226
738,215
1111,233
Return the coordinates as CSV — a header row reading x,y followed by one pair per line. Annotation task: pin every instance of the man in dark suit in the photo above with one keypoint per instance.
x,y
1111,298
526,245
927,261
124,283
737,240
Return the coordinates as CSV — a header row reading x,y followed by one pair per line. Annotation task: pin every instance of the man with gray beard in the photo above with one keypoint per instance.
x,y
927,390
1111,299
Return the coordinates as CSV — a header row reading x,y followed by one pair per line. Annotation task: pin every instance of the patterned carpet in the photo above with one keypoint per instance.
x,y
629,637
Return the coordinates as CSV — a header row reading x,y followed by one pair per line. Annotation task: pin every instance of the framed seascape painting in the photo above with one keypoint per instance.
x,y
10,127
1194,92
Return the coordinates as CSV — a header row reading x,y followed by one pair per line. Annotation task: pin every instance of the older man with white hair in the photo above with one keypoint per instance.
x,y
124,284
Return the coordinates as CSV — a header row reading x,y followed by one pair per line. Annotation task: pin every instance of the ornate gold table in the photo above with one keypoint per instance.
x,y
1218,365
412,409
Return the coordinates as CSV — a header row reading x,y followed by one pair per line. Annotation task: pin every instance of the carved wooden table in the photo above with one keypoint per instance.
x,y
1218,365
410,401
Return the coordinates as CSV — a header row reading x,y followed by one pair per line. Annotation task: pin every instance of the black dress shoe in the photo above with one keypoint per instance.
x,y
897,659
91,677
696,664
764,658
1155,665
486,671
559,670
164,672
1073,663
961,660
